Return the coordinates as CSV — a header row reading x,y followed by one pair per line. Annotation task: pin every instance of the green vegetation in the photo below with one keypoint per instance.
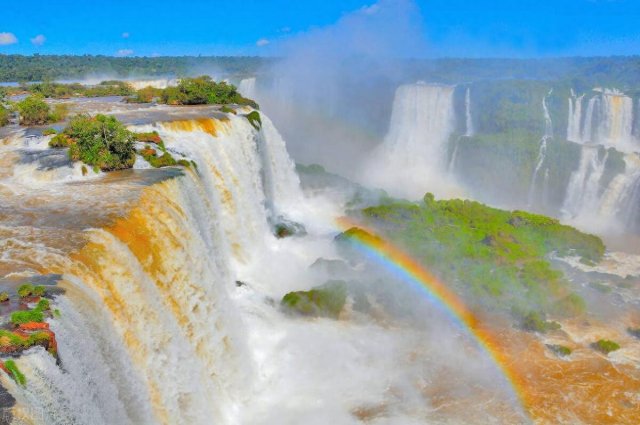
x,y
35,315
202,91
34,110
49,132
254,119
535,322
48,67
489,255
605,346
228,110
559,350
325,301
152,137
4,115
4,297
145,95
25,316
17,376
101,141
28,290
53,90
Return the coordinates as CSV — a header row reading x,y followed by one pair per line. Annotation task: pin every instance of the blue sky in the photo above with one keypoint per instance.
x,y
228,27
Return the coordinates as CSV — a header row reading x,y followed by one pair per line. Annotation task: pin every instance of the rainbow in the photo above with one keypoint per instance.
x,y
412,271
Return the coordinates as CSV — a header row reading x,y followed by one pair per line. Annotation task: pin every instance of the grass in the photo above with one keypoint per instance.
x,y
29,290
15,372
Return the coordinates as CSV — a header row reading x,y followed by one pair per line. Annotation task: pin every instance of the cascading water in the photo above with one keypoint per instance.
x,y
621,200
608,120
548,134
247,87
422,121
467,113
583,192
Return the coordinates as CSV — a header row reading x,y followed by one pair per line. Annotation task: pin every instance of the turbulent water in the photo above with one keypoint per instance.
x,y
422,121
173,279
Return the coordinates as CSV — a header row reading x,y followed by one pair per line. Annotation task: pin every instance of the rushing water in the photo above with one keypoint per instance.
x,y
172,277
422,120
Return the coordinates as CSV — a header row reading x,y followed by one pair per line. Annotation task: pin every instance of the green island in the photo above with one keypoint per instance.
x,y
104,143
27,328
493,258
34,110
200,90
605,346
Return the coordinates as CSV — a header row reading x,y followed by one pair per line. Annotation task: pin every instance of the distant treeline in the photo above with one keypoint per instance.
x,y
19,68
581,73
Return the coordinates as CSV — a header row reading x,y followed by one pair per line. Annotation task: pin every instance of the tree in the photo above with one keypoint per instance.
x,y
101,141
33,111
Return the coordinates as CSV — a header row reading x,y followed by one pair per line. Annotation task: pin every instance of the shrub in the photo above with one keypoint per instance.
x,y
4,297
605,346
15,372
145,95
4,116
28,290
34,111
59,112
535,322
101,141
60,141
327,300
228,110
49,132
203,90
559,350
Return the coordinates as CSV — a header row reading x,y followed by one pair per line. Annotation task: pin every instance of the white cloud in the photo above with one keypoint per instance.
x,y
7,38
124,52
262,42
38,40
125,35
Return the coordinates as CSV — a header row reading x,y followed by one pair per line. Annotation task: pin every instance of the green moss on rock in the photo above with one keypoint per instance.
x,y
325,301
17,376
254,119
559,350
605,346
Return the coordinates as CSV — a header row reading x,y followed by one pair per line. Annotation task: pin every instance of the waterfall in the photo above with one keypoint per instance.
x,y
467,110
574,133
608,120
621,200
148,332
548,134
583,192
422,121
247,87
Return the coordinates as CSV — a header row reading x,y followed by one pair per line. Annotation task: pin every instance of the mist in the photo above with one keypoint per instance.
x,y
332,91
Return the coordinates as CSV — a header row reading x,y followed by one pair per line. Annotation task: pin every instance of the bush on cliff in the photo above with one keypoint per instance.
x,y
326,301
202,91
101,141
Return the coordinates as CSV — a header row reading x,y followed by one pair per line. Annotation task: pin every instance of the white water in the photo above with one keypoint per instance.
x,y
154,328
467,112
247,87
608,120
548,134
422,121
583,192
